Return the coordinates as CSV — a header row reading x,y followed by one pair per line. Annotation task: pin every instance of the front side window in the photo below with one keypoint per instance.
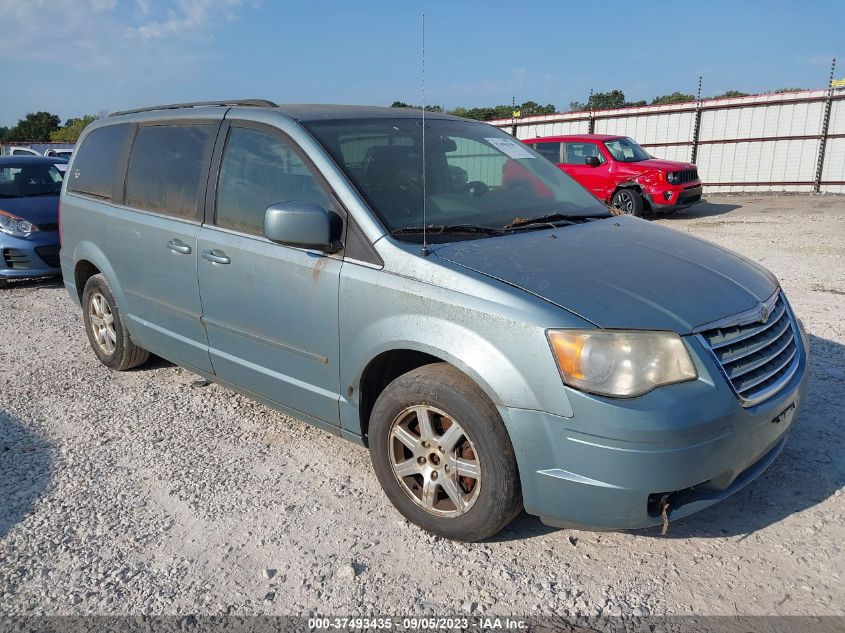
x,y
168,168
475,174
29,181
578,153
97,161
626,150
258,170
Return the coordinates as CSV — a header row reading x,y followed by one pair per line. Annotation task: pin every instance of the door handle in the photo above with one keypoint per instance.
x,y
178,246
217,257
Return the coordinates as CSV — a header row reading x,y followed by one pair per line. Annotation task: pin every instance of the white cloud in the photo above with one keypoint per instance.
x,y
185,16
91,32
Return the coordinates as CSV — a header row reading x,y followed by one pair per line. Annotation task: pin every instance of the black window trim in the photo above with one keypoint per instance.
x,y
217,162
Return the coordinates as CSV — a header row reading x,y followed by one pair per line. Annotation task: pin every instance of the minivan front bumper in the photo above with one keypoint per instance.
x,y
615,462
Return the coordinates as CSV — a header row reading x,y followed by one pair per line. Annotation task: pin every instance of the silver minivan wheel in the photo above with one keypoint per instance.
x,y
435,461
102,323
104,326
442,454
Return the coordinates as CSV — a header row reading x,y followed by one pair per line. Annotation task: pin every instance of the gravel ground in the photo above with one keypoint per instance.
x,y
142,493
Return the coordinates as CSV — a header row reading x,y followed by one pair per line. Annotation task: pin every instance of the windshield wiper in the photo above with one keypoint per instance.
x,y
43,193
444,229
553,219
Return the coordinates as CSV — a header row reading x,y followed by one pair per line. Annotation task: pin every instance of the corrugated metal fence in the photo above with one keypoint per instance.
x,y
757,143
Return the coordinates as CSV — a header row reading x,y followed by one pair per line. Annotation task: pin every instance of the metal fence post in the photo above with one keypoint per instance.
x,y
696,124
817,185
591,124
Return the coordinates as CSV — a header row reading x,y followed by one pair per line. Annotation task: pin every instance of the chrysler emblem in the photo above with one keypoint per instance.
x,y
764,313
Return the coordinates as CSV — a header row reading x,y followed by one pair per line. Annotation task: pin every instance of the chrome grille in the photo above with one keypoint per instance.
x,y
758,355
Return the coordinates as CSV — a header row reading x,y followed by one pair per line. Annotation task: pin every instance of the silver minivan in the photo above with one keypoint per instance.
x,y
436,291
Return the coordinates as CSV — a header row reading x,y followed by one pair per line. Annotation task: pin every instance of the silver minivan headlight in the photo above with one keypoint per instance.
x,y
618,363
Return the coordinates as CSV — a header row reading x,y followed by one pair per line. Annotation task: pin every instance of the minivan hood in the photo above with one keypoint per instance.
x,y
38,210
622,272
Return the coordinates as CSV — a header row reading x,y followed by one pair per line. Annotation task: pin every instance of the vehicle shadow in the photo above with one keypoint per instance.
x,y
26,465
703,209
809,470
38,282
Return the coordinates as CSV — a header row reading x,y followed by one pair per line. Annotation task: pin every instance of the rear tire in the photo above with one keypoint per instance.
x,y
628,202
3,283
443,456
106,331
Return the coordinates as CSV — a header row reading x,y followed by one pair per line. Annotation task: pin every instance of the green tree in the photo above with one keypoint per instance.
x,y
35,126
428,108
675,97
528,108
730,93
3,132
72,129
605,101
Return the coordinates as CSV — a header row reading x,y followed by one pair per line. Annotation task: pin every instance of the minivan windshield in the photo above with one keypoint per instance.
x,y
626,150
479,181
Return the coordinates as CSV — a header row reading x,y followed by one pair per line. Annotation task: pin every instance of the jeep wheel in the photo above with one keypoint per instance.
x,y
443,456
628,201
106,331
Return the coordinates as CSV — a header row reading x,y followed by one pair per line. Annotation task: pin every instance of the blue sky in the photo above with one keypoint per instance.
x,y
73,57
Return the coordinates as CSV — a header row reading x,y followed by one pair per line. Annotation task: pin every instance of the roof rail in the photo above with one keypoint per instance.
x,y
256,103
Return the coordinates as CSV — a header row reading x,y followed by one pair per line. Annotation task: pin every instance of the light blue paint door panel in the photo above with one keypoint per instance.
x,y
271,316
155,258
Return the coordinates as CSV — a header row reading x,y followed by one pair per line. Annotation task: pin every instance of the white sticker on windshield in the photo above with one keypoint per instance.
x,y
509,147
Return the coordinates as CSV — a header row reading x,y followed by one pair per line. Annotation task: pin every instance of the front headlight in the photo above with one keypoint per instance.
x,y
618,363
672,177
13,225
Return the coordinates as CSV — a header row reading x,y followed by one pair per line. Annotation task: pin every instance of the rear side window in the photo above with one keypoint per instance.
x,y
550,151
97,161
168,168
259,170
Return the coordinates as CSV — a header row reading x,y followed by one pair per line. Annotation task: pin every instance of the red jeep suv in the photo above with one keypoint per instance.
x,y
621,173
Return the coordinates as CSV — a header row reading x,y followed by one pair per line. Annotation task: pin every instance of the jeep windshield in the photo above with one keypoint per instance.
x,y
479,181
626,150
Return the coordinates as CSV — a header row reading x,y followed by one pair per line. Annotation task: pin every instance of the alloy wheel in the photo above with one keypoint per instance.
x,y
624,201
102,323
434,461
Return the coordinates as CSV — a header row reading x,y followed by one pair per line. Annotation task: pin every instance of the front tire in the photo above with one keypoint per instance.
x,y
628,201
443,456
104,326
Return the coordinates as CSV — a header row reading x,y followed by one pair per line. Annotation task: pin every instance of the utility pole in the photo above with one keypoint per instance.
x,y
817,185
697,124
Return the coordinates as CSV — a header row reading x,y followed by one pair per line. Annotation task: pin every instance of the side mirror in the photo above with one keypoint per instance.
x,y
592,161
300,224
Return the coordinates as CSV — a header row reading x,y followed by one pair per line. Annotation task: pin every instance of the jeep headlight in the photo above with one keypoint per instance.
x,y
13,225
621,364
673,177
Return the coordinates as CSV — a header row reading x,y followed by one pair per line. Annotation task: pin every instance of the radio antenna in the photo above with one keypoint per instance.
x,y
425,242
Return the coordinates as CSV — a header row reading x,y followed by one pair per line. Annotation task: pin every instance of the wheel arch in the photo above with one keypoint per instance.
x,y
396,361
89,260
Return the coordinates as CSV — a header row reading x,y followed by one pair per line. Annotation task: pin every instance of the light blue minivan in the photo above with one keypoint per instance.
x,y
433,289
